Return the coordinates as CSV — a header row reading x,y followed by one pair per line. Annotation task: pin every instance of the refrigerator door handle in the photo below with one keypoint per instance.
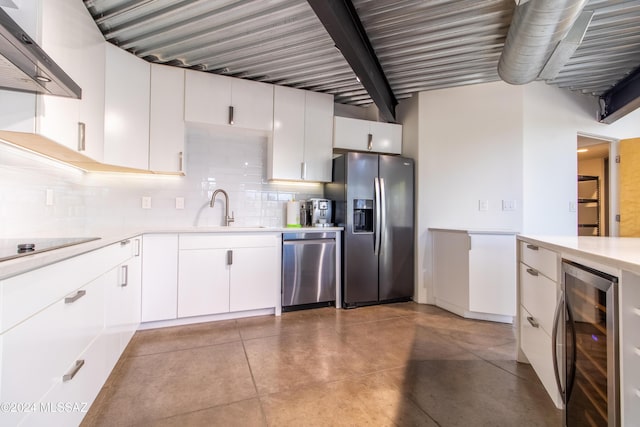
x,y
383,212
377,207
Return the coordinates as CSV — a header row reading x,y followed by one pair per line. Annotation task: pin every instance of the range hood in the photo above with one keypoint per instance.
x,y
25,67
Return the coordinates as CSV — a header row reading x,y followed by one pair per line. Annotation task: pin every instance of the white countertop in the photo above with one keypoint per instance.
x,y
618,252
476,230
27,263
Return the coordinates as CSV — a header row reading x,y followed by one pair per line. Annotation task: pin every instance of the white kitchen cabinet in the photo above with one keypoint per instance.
x,y
203,282
126,122
70,36
539,286
159,277
301,147
167,132
227,101
365,135
223,273
39,352
123,297
474,273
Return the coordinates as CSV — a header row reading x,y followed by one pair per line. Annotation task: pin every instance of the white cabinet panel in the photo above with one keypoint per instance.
x,y
629,297
365,135
301,148
492,274
126,126
166,134
536,345
203,282
72,39
159,277
541,259
287,152
253,282
208,98
318,136
538,295
37,353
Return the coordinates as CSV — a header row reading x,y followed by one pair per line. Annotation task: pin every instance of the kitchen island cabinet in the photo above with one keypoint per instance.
x,y
540,287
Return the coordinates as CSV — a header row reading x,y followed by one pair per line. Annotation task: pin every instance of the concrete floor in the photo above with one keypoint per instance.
x,y
390,365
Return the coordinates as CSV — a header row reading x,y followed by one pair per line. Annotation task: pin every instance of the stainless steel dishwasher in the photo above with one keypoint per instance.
x,y
308,269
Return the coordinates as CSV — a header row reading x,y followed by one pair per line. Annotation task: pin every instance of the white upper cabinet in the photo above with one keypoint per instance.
x,y
227,101
365,135
126,123
166,134
301,148
70,36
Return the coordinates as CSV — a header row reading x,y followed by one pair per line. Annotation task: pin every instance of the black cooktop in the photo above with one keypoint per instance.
x,y
15,248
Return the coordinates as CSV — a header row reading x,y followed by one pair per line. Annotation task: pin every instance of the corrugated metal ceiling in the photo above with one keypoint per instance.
x,y
421,45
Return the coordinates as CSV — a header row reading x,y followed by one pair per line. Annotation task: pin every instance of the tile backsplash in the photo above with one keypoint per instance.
x,y
94,203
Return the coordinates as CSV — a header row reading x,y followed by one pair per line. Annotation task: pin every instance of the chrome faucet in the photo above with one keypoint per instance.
x,y
227,218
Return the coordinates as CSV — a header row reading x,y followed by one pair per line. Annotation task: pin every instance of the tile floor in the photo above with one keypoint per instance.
x,y
390,365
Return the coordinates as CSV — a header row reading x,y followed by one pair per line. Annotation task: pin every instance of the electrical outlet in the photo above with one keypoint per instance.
x,y
146,202
508,205
179,202
572,206
483,205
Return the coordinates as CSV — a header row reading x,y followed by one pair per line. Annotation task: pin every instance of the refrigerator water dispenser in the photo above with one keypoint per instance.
x,y
362,216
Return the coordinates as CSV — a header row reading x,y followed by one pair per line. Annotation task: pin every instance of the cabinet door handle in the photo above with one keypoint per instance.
x,y
137,247
125,276
533,322
532,247
532,272
125,242
76,297
72,373
303,170
369,141
229,257
180,160
230,114
81,136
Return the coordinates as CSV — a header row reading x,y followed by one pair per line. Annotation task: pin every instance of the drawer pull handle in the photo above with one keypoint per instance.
x,y
125,276
532,247
125,242
532,272
76,297
533,322
72,373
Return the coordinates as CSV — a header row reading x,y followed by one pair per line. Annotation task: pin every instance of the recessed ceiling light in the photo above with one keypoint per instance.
x,y
583,150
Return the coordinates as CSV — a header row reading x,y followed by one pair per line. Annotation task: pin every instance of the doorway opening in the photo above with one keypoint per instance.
x,y
596,187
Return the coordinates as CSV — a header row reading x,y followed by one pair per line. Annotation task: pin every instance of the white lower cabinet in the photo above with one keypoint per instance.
x,y
159,277
57,351
227,273
39,352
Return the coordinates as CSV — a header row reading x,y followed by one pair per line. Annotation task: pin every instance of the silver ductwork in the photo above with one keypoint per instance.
x,y
536,29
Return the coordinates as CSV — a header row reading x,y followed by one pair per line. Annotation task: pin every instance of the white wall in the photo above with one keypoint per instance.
x,y
92,204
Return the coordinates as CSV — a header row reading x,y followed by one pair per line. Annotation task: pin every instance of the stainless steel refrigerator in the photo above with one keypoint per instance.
x,y
374,198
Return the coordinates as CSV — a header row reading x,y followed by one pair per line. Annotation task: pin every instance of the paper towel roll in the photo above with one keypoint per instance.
x,y
293,214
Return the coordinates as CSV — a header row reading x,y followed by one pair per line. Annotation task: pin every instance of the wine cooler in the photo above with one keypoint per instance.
x,y
586,347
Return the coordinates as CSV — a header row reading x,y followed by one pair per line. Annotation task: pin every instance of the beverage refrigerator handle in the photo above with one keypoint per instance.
x,y
554,342
377,207
571,369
